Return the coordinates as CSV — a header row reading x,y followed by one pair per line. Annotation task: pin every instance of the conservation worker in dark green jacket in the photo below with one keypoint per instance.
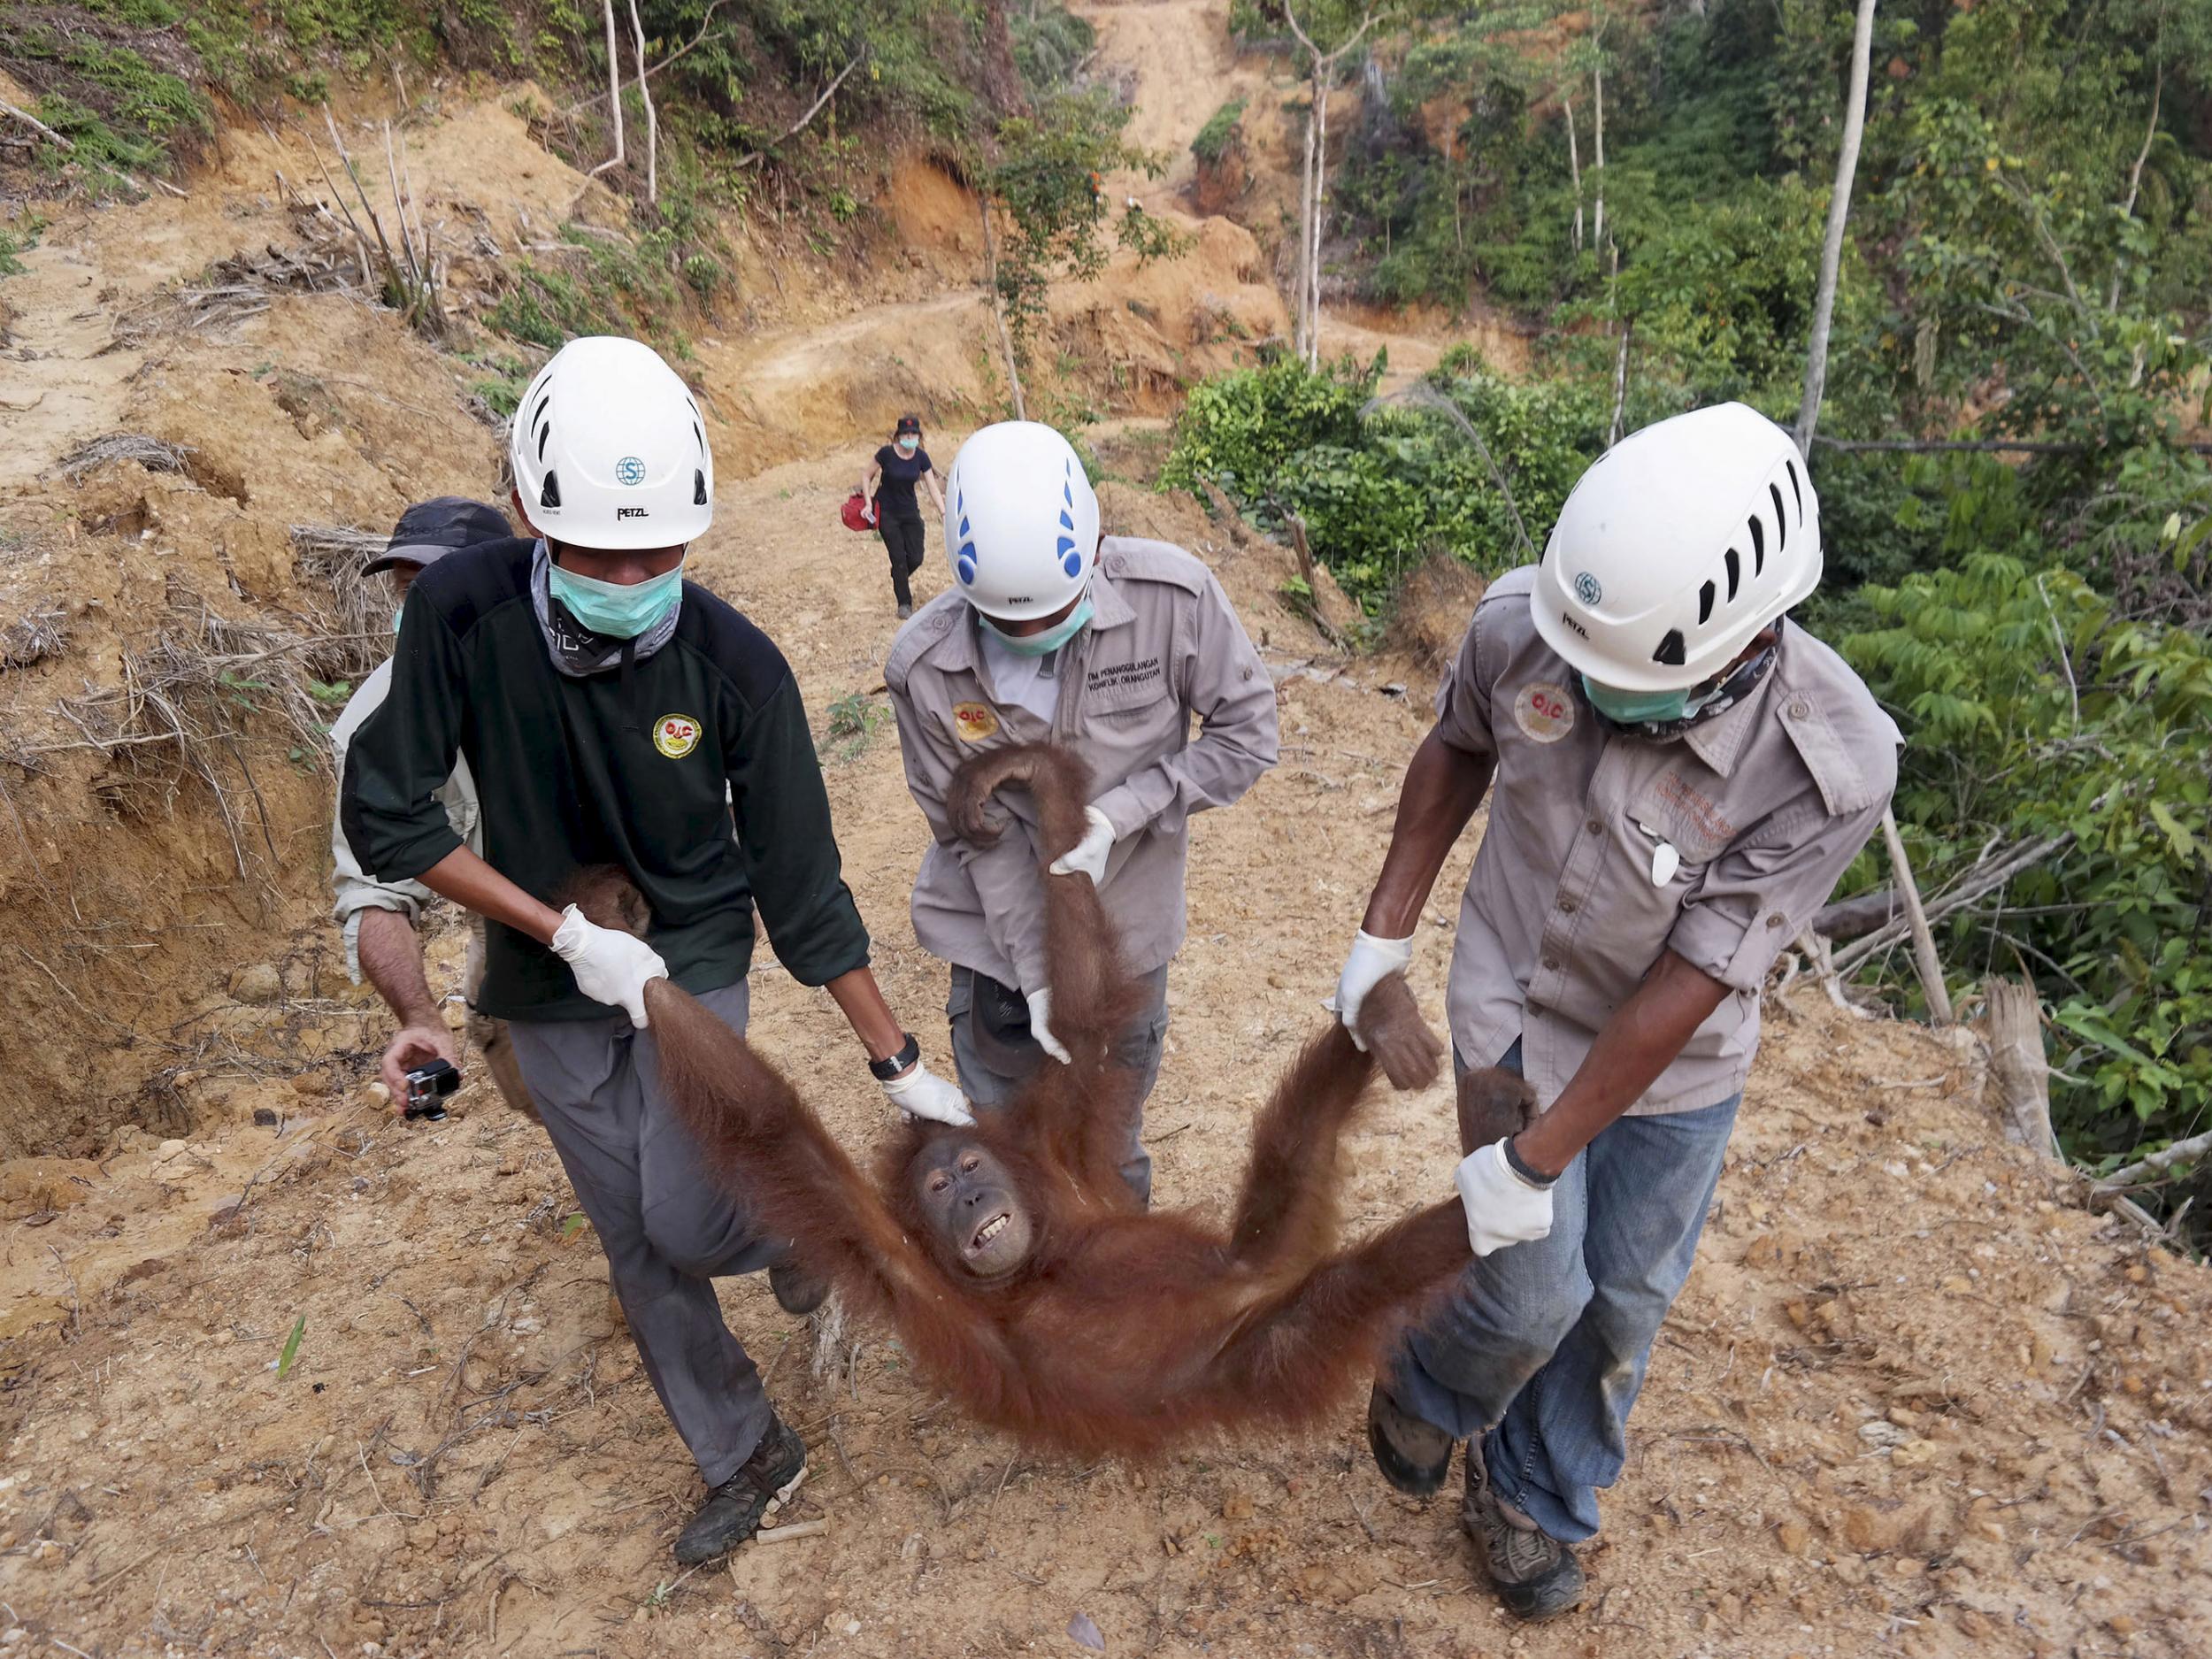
x,y
614,713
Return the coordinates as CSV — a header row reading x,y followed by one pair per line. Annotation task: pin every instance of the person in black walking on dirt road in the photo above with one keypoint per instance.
x,y
888,485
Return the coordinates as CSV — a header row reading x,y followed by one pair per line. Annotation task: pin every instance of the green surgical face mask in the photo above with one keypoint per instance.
x,y
1051,639
616,610
1637,707
397,614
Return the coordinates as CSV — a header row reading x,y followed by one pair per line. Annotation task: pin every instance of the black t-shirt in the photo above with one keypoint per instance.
x,y
895,494
649,766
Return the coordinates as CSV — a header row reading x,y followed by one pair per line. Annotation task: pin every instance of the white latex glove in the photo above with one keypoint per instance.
x,y
1372,962
1041,1027
611,966
921,1092
1503,1207
1089,853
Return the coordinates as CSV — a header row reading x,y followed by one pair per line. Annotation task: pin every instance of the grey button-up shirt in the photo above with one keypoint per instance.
x,y
1162,645
356,890
1572,897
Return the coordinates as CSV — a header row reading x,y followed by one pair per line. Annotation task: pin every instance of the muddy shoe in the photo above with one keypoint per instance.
x,y
1535,1575
1413,1457
798,1290
733,1510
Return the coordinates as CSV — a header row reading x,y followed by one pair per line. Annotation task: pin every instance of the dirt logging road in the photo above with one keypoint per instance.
x,y
281,1377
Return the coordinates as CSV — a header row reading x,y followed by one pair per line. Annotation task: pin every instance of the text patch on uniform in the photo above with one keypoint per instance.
x,y
1544,712
974,721
675,735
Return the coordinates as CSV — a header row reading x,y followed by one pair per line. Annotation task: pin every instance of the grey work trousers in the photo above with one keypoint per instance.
x,y
668,1228
990,1086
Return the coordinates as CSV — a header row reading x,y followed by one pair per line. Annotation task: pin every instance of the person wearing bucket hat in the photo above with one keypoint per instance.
x,y
377,920
1108,645
1677,776
614,713
887,490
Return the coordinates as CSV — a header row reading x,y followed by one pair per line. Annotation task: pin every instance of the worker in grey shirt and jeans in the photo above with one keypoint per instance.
x,y
1108,646
1679,780
380,918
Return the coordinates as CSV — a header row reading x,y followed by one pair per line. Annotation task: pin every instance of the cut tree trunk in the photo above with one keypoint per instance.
x,y
1839,217
2014,1031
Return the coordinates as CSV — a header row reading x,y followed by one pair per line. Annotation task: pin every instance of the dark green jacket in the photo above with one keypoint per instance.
x,y
626,767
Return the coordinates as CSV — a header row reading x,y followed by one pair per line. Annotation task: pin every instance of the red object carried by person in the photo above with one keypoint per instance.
x,y
858,513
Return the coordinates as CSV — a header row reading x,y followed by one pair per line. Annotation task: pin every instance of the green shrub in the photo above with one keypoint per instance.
x,y
2033,709
1222,130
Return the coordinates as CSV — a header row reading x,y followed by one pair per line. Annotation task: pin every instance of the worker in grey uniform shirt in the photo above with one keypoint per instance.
x,y
1677,778
378,918
1106,645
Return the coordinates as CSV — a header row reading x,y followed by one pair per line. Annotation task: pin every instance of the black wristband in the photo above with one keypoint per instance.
x,y
1513,1158
884,1071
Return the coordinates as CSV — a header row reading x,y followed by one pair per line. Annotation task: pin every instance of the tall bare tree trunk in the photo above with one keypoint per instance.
x,y
1299,337
1320,197
652,120
1597,168
1574,166
614,91
1839,216
998,306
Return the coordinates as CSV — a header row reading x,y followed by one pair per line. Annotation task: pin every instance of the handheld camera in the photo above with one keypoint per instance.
x,y
427,1086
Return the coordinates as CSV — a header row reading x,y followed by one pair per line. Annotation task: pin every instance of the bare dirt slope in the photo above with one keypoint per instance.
x,y
1909,1402
1912,1401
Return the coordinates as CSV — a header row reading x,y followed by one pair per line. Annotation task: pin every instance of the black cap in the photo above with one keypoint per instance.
x,y
907,423
429,530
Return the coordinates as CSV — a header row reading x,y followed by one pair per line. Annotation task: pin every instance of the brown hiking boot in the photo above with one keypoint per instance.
x,y
733,1510
1413,1455
1534,1574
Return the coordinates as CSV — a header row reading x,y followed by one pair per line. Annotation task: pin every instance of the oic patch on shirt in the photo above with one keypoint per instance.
x,y
675,735
1544,712
974,721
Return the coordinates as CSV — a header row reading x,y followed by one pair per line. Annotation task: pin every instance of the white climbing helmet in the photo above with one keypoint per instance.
x,y
1676,547
608,449
1021,521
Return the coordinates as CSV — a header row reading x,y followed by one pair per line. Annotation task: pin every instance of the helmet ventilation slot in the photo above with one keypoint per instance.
x,y
1796,489
1781,519
549,493
1758,548
698,488
1735,574
1670,654
1704,608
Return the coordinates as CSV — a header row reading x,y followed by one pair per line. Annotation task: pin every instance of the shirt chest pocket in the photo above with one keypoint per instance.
x,y
1676,829
1134,706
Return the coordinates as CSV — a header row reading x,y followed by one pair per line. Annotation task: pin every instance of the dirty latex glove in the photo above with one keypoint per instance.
x,y
1372,962
1089,853
609,966
1041,1027
921,1092
1503,1206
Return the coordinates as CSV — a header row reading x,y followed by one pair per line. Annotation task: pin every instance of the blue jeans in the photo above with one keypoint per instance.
x,y
1541,1348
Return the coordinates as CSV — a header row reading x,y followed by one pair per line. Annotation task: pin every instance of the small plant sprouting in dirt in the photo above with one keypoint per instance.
x,y
854,720
291,1347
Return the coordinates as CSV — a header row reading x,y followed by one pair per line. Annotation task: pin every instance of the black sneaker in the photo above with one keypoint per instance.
x,y
798,1291
1413,1455
905,611
733,1510
1535,1575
